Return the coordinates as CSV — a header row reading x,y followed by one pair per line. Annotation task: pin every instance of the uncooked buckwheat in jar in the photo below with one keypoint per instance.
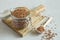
x,y
20,12
20,17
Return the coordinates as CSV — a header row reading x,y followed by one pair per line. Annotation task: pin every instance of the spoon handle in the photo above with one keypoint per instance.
x,y
48,21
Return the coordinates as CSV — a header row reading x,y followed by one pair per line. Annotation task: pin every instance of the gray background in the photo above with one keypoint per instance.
x,y
52,9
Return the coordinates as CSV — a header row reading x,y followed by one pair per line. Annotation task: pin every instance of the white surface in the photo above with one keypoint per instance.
x,y
52,9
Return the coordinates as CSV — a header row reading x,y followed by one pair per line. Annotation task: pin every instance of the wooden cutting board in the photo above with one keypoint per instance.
x,y
23,32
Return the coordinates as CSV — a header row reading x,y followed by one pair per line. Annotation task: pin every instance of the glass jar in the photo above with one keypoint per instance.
x,y
19,19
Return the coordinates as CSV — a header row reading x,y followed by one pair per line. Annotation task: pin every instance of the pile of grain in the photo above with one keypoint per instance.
x,y
49,34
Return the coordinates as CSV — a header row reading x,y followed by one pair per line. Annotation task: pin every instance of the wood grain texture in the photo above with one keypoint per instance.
x,y
24,31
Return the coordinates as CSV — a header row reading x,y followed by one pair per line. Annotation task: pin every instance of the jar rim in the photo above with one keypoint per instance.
x,y
18,8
